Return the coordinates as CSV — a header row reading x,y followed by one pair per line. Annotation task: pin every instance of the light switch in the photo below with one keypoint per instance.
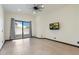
x,y
2,30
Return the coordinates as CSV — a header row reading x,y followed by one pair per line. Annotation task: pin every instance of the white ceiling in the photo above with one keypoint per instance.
x,y
28,8
23,8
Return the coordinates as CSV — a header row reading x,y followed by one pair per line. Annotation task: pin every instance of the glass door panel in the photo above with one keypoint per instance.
x,y
26,29
18,29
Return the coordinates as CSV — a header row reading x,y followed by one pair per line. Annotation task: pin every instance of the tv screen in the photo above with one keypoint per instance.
x,y
54,26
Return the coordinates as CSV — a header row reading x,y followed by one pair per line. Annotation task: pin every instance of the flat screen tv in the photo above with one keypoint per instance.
x,y
54,26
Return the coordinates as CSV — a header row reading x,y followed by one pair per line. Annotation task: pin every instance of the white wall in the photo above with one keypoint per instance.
x,y
67,15
1,26
17,16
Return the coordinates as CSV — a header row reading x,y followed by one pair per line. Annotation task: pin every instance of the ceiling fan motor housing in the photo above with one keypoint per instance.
x,y
35,8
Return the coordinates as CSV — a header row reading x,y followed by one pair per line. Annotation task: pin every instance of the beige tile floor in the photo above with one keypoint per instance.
x,y
34,46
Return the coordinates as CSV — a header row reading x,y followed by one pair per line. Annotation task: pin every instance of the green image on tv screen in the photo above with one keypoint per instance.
x,y
54,26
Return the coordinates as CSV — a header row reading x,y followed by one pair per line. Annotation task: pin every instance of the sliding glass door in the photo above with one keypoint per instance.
x,y
22,29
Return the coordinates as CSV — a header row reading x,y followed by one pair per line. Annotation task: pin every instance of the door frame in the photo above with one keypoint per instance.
x,y
22,28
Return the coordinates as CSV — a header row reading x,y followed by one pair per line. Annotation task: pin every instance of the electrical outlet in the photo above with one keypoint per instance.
x,y
54,37
2,41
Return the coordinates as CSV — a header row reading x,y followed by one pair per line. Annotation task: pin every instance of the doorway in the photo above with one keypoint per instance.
x,y
22,29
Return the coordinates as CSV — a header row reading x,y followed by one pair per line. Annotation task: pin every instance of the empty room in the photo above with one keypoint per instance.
x,y
39,29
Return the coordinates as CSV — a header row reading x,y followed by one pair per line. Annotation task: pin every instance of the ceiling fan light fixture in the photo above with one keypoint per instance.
x,y
38,8
34,12
42,6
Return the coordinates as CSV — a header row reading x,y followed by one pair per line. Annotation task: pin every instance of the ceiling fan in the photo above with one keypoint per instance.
x,y
38,7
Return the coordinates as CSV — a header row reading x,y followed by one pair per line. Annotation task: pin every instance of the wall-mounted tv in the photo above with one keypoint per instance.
x,y
54,26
